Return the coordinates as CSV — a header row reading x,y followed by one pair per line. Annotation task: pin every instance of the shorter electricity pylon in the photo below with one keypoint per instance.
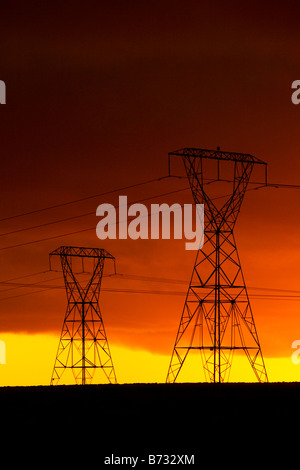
x,y
83,346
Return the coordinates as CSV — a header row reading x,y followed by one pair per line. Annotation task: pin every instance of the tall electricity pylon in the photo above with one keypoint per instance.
x,y
83,346
217,318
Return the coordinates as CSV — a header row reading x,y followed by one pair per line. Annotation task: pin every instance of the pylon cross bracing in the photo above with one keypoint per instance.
x,y
217,318
83,347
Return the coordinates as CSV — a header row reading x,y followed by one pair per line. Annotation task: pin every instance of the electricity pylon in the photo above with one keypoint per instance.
x,y
83,346
217,318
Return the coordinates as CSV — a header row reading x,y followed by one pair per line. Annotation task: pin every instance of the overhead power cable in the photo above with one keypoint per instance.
x,y
156,292
75,201
89,228
281,294
67,219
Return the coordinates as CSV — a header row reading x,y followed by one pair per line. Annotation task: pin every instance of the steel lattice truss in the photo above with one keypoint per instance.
x,y
83,346
217,318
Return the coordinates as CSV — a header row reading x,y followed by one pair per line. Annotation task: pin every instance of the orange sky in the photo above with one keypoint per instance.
x,y
96,98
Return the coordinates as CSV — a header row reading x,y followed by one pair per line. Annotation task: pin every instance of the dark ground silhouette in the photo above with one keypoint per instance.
x,y
80,425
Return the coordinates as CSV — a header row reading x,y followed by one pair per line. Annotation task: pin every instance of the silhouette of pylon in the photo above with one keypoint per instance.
x,y
217,318
83,346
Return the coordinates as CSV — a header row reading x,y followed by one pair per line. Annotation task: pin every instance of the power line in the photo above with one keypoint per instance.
x,y
26,275
75,201
275,185
156,292
66,219
90,228
82,230
281,185
284,293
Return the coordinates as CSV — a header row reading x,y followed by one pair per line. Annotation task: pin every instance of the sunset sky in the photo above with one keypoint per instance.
x,y
98,93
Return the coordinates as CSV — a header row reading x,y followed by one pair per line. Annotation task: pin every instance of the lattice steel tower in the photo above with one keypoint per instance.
x,y
83,346
217,318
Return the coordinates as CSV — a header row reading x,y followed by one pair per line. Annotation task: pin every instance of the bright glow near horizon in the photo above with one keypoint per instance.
x,y
30,359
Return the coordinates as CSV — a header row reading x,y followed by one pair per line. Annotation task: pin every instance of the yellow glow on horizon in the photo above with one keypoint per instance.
x,y
30,359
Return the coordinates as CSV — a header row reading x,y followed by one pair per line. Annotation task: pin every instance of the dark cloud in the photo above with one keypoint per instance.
x,y
98,93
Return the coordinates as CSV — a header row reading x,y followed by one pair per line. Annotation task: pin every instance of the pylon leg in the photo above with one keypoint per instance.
x,y
217,318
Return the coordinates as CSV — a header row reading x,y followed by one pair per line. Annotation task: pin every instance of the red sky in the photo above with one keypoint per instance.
x,y
98,93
